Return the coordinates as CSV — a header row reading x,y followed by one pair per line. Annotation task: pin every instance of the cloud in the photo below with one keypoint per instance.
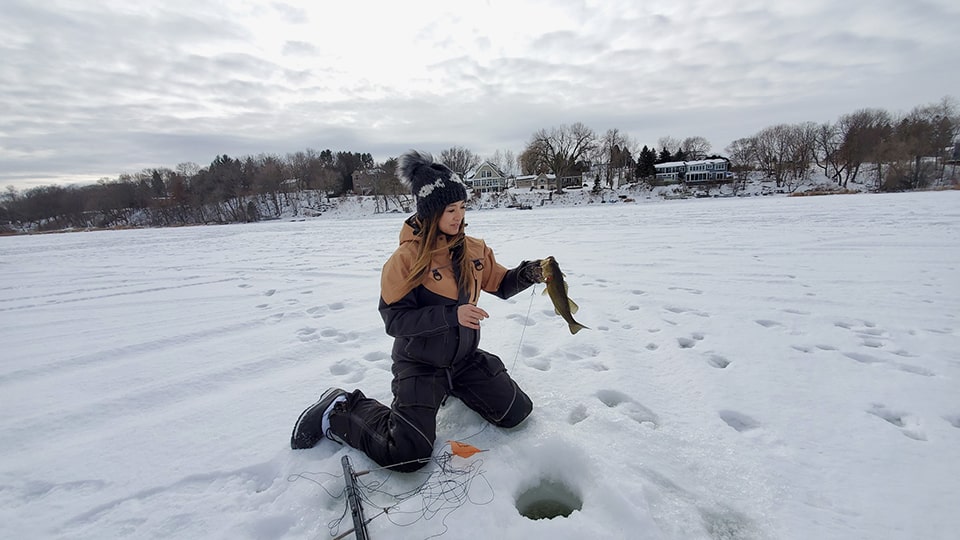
x,y
106,88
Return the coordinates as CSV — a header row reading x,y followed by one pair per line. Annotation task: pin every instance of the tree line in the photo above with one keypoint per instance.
x,y
905,151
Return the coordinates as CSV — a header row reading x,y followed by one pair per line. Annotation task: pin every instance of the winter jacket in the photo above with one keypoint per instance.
x,y
423,320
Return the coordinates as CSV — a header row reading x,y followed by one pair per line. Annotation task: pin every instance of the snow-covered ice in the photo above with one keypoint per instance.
x,y
755,368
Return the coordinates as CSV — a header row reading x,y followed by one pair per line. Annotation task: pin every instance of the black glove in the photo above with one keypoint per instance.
x,y
531,272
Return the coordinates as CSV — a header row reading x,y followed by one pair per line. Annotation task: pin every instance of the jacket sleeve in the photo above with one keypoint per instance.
x,y
513,282
500,281
404,318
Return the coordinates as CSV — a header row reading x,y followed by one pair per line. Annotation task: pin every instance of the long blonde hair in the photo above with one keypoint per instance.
x,y
428,229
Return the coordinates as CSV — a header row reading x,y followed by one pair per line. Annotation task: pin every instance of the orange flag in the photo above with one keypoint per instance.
x,y
463,450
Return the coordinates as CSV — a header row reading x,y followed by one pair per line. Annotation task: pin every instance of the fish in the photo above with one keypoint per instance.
x,y
557,289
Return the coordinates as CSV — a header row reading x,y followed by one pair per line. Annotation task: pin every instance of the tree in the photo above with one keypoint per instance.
x,y
742,157
926,132
506,161
459,159
615,157
695,147
646,163
561,150
670,144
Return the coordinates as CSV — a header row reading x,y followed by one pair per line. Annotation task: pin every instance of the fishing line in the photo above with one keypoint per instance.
x,y
443,491
526,322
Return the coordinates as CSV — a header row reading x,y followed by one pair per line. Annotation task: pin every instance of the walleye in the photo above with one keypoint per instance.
x,y
557,289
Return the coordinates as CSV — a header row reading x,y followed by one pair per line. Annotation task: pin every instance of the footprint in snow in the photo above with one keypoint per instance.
x,y
863,358
348,370
916,370
633,410
686,289
954,420
376,356
577,415
270,292
540,364
523,320
909,425
767,323
307,334
689,343
718,361
738,421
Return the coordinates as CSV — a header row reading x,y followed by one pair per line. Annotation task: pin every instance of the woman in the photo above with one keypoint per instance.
x,y
428,300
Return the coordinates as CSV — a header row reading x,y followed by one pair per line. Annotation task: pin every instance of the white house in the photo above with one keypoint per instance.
x,y
691,172
486,178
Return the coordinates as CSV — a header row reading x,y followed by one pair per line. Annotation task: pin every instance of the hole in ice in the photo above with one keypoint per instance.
x,y
547,500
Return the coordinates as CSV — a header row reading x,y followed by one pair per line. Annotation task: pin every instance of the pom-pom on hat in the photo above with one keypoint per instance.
x,y
433,185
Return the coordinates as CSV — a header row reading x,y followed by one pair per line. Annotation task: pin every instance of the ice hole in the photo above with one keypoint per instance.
x,y
547,500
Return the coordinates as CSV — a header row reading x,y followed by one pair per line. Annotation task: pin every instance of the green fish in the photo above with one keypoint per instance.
x,y
557,289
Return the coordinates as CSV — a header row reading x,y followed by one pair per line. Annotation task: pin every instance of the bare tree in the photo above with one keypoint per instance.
x,y
696,147
670,144
459,159
785,152
561,150
615,158
506,161
743,158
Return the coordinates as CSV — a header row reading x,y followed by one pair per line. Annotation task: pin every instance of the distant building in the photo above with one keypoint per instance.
x,y
486,178
365,180
693,172
548,181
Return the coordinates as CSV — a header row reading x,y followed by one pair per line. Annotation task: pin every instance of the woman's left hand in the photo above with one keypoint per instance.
x,y
470,316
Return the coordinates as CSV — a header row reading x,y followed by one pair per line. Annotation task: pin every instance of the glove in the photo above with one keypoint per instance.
x,y
531,272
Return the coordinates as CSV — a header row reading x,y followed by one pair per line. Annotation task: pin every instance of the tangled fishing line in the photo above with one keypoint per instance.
x,y
443,490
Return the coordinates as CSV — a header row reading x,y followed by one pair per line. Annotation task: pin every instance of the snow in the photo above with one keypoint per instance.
x,y
755,368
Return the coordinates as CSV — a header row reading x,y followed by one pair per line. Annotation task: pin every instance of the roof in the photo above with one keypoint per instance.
x,y
688,163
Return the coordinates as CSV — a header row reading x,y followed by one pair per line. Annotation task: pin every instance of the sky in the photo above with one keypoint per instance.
x,y
757,368
92,89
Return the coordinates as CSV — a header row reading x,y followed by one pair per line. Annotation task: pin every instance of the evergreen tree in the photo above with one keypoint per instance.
x,y
646,162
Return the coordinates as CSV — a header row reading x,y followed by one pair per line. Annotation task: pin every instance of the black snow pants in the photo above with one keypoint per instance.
x,y
401,436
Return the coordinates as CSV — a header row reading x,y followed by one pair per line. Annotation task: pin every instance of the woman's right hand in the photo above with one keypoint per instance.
x,y
469,315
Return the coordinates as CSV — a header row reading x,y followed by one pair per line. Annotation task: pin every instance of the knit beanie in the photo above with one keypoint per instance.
x,y
433,185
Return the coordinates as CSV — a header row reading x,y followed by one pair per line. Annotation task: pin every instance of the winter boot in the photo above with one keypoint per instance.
x,y
314,422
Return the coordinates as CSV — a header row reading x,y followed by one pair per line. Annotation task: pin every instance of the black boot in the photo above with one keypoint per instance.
x,y
308,430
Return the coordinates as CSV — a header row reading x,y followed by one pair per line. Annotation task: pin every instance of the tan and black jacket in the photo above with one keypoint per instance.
x,y
423,320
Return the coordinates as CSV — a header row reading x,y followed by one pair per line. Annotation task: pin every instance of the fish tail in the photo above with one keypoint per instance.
x,y
576,327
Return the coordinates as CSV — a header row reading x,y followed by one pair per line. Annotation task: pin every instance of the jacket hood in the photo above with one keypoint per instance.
x,y
410,231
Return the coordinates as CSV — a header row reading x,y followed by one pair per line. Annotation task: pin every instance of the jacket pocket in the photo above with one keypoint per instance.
x,y
431,350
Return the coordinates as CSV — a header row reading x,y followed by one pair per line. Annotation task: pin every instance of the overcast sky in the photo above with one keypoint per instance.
x,y
92,89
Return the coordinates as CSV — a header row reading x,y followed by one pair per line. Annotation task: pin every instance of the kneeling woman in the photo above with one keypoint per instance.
x,y
429,290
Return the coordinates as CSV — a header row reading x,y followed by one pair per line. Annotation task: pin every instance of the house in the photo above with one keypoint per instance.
x,y
693,172
537,181
548,181
486,178
365,180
